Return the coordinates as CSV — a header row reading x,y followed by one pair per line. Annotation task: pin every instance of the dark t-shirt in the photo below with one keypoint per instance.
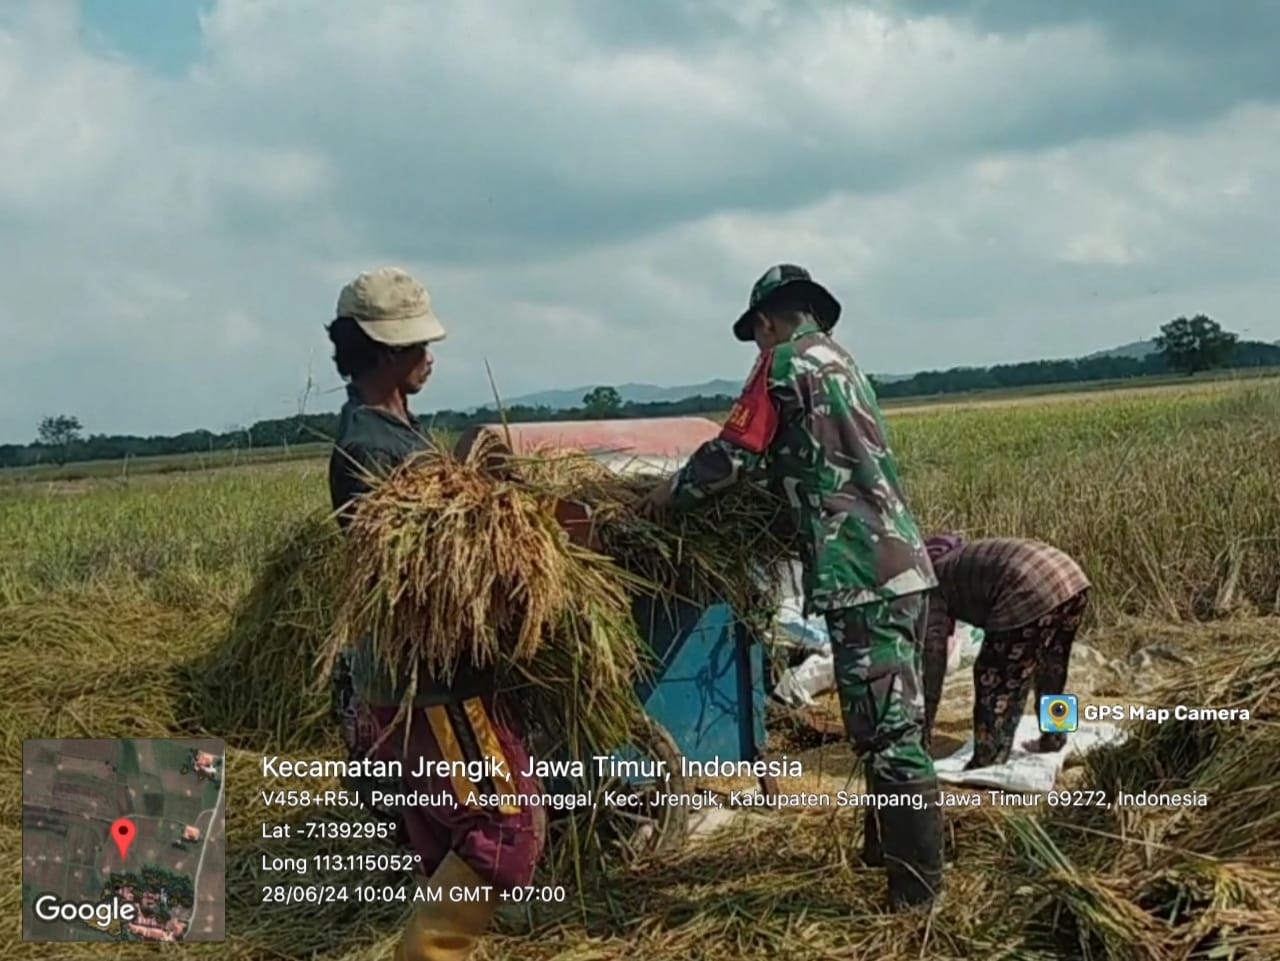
x,y
371,443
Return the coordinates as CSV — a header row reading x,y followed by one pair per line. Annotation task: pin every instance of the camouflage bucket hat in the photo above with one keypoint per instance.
x,y
826,309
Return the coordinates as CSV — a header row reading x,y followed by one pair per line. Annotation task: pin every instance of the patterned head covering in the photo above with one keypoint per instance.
x,y
942,544
826,309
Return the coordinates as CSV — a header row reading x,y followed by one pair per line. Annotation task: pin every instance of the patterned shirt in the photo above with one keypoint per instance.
x,y
808,426
1003,583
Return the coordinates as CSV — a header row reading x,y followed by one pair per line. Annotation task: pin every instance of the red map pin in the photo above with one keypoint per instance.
x,y
122,832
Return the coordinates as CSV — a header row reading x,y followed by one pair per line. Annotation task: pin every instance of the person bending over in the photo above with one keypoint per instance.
x,y
1029,598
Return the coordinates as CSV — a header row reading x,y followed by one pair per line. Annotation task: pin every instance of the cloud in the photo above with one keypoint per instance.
x,y
963,267
590,193
1246,28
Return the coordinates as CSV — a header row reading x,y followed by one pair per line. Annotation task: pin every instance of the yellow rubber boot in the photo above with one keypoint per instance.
x,y
447,930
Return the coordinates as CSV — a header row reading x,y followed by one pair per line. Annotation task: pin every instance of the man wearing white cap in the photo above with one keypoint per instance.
x,y
381,340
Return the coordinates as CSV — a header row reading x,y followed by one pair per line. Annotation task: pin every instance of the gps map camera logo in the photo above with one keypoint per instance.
x,y
1058,713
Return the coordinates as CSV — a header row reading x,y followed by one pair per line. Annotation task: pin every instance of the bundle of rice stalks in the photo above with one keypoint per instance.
x,y
728,550
257,689
461,560
1085,914
449,565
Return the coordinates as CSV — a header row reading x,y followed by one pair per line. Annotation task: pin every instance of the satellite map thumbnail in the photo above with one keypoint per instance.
x,y
123,839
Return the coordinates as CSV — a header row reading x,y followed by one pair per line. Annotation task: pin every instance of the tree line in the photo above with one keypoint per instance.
x,y
1183,346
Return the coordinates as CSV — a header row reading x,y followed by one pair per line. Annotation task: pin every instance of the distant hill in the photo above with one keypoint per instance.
x,y
1141,349
647,393
630,394
1138,350
1134,351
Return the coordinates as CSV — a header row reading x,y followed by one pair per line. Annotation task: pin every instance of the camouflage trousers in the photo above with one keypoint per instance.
x,y
877,653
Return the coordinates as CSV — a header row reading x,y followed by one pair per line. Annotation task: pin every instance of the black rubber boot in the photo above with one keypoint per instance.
x,y
912,843
872,855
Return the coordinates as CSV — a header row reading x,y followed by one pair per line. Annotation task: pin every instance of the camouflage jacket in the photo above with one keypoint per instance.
x,y
808,427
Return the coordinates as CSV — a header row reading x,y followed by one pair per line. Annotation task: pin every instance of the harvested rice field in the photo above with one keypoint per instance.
x,y
197,604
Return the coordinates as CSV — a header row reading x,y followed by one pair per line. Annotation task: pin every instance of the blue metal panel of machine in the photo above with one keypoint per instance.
x,y
708,691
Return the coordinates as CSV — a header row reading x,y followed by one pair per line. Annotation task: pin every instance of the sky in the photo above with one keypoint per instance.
x,y
589,188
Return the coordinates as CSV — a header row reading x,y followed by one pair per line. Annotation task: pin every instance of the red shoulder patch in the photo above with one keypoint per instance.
x,y
753,419
740,416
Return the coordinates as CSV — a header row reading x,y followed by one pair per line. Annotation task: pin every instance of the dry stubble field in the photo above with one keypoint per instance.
x,y
167,607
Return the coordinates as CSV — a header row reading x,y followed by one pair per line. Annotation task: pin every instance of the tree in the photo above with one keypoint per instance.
x,y
602,402
1194,345
60,431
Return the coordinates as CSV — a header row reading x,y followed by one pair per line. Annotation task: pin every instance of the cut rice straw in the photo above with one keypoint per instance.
x,y
455,561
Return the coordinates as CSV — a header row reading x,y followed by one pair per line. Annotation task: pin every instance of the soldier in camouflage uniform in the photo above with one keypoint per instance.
x,y
809,427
